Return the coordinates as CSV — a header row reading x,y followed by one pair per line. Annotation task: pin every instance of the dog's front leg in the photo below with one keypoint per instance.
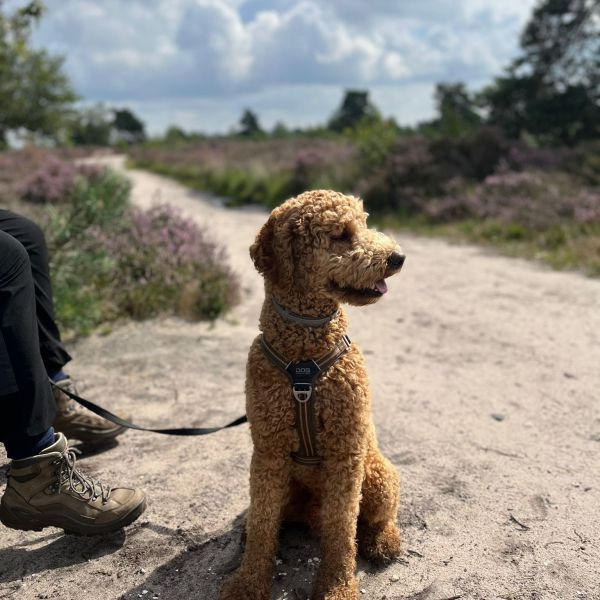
x,y
342,480
269,491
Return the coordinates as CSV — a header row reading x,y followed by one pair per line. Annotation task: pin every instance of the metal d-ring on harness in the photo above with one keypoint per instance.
x,y
303,376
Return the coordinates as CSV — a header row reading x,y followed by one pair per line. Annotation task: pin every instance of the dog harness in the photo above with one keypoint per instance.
x,y
303,375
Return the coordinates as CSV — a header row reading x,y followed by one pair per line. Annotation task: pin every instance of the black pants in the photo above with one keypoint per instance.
x,y
53,352
30,345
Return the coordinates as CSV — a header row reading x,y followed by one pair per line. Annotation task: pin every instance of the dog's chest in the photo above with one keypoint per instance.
x,y
340,402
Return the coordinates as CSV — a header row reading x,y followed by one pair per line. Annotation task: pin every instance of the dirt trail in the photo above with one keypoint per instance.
x,y
486,381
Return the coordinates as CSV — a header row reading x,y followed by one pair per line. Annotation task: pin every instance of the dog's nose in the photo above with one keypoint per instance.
x,y
395,260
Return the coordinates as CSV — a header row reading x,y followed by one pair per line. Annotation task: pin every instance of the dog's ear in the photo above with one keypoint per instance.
x,y
272,251
262,252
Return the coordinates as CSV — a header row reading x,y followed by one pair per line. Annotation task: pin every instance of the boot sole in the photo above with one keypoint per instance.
x,y
26,521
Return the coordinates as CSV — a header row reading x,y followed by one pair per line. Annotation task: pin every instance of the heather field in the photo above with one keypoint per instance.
x,y
248,171
111,260
541,203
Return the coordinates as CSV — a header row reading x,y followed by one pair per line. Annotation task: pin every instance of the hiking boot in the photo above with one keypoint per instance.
x,y
76,422
47,490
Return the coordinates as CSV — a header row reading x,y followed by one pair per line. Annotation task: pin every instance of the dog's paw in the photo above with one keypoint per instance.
x,y
242,587
379,545
340,590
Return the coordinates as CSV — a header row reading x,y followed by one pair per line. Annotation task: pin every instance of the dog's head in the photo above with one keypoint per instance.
x,y
318,244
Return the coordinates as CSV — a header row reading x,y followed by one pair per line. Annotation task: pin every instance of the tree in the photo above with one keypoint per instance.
x,y
249,124
561,44
375,140
280,130
552,90
35,94
175,134
355,107
127,127
92,126
456,109
457,112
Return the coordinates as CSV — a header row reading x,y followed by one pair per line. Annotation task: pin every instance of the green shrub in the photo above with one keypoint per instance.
x,y
81,269
159,257
110,260
249,171
375,139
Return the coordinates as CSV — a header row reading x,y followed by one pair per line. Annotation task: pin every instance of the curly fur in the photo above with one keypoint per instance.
x,y
316,252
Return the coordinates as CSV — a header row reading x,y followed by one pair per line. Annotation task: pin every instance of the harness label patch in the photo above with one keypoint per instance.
x,y
305,370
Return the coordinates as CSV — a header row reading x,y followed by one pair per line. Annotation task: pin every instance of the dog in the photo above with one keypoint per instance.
x,y
316,253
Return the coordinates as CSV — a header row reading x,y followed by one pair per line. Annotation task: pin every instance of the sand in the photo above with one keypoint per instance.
x,y
485,373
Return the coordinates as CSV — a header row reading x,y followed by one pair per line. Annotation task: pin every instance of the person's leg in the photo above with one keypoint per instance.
x,y
54,354
44,487
70,418
28,406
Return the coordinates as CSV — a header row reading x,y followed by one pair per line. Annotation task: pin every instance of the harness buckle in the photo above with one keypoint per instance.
x,y
302,392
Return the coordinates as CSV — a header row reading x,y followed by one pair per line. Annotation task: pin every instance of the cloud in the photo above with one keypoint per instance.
x,y
161,51
455,13
301,46
213,36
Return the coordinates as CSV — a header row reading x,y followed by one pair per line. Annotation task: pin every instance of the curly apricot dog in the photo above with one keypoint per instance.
x,y
316,252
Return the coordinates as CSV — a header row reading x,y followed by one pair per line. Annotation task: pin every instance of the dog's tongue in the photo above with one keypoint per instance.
x,y
381,286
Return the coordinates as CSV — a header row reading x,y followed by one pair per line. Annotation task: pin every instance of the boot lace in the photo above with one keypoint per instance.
x,y
82,485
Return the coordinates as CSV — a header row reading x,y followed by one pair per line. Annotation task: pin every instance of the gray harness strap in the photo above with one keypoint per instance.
x,y
303,375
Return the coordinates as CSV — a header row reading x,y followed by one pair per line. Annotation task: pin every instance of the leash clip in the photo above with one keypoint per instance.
x,y
302,392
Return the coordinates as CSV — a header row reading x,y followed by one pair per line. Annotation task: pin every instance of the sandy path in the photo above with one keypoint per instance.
x,y
485,376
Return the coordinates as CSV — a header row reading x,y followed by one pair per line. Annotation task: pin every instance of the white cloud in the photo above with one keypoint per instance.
x,y
301,46
177,52
212,33
450,12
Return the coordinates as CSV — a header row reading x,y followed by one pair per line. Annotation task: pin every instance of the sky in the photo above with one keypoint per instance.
x,y
199,63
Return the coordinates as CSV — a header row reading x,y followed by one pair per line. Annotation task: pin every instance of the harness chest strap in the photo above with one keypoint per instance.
x,y
303,375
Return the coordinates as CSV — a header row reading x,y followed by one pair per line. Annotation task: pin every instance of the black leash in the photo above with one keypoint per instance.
x,y
105,414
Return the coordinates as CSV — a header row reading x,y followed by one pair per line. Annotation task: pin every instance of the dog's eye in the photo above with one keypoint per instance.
x,y
345,236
